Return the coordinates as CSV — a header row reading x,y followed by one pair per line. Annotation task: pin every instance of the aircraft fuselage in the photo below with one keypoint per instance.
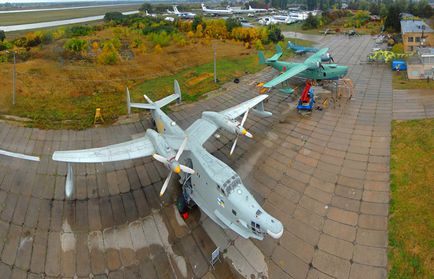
x,y
330,71
217,189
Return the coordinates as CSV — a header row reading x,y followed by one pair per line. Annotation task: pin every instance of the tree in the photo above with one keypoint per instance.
x,y
113,16
274,34
311,22
392,19
197,21
231,23
75,45
2,35
146,7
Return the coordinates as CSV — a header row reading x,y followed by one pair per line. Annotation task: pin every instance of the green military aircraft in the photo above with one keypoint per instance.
x,y
311,68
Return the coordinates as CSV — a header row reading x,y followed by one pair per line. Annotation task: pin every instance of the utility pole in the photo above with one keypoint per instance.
x,y
215,64
14,82
13,79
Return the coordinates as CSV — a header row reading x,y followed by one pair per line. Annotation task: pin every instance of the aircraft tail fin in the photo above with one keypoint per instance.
x,y
273,58
262,59
157,104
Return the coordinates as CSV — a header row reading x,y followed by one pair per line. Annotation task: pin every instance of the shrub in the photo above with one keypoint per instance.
x,y
59,33
199,30
47,37
79,30
162,39
231,23
398,48
159,28
4,45
215,29
114,16
259,45
75,45
33,39
109,54
311,22
2,35
158,49
198,20
274,34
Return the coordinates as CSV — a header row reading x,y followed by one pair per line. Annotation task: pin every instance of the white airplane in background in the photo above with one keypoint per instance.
x,y
151,15
238,10
252,10
176,12
205,10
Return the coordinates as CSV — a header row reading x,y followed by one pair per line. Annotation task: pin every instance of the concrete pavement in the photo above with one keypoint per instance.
x,y
326,177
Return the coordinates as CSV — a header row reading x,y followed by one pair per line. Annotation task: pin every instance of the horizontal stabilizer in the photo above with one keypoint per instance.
x,y
260,111
157,104
276,56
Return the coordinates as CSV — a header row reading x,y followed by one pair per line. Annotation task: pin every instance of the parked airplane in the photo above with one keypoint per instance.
x,y
269,20
19,155
206,181
300,49
186,15
239,10
311,68
205,10
253,10
151,15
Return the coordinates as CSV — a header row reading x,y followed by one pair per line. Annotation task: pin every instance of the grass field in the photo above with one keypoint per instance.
x,y
64,94
34,17
227,69
411,224
399,81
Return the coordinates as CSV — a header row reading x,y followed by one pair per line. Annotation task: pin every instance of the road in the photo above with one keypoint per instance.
x,y
55,23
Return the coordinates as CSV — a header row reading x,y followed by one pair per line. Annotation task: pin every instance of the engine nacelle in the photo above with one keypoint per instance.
x,y
232,126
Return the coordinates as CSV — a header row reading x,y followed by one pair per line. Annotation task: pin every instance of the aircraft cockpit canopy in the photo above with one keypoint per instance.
x,y
231,184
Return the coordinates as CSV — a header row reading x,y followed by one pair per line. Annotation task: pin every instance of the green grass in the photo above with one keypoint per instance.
x,y
227,70
399,81
411,224
34,17
296,27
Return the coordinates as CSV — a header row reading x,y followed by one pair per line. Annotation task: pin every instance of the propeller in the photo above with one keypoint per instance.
x,y
328,57
173,165
241,131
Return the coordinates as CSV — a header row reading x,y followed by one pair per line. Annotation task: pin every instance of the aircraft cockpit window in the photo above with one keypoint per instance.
x,y
234,212
231,184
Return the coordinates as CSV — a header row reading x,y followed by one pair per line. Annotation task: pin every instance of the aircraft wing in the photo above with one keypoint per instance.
x,y
202,129
240,109
132,149
316,57
287,75
19,155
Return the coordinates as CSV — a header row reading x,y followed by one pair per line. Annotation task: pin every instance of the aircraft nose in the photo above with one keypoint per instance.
x,y
276,230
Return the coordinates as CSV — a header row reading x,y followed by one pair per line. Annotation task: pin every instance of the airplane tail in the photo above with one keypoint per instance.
x,y
274,58
203,6
157,104
175,9
261,58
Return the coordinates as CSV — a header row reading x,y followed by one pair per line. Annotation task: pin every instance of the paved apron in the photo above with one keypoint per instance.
x,y
326,177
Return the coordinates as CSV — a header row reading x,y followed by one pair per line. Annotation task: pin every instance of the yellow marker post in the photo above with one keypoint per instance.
x,y
98,117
